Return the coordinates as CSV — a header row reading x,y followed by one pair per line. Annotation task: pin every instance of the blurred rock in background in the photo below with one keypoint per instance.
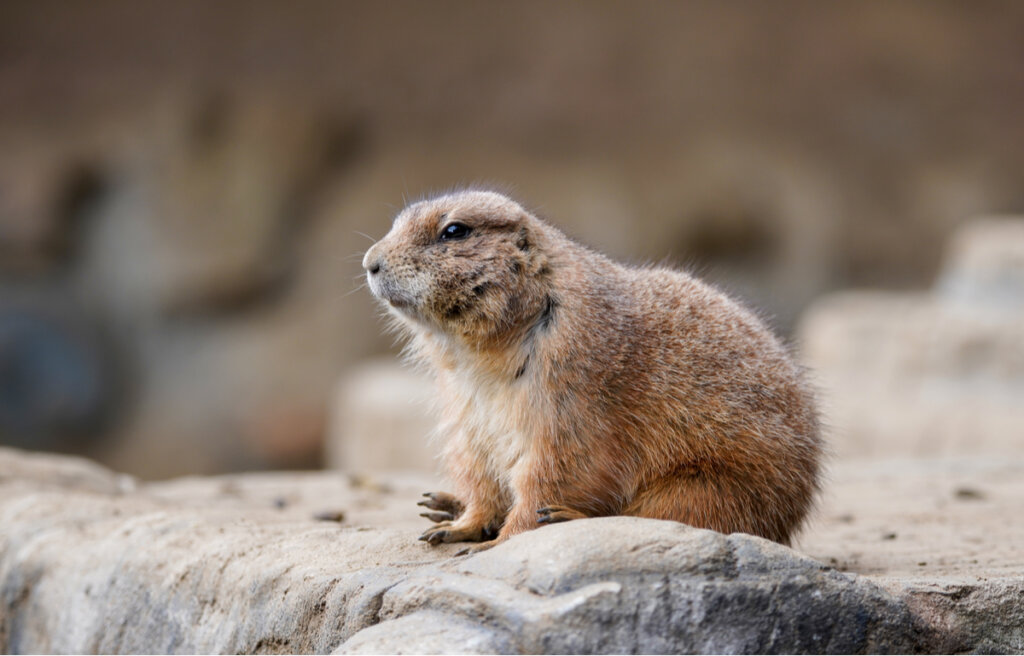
x,y
58,381
927,374
382,419
187,183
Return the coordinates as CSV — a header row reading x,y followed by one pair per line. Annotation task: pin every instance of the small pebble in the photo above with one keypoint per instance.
x,y
362,482
969,494
330,516
889,536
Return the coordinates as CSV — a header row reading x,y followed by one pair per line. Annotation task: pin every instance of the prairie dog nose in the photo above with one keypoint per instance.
x,y
372,260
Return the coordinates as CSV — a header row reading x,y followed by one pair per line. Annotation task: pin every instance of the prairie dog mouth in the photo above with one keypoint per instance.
x,y
398,302
387,290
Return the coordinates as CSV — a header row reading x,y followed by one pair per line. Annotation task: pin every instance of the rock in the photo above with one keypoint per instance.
x,y
215,565
38,471
934,373
985,263
291,436
381,420
961,540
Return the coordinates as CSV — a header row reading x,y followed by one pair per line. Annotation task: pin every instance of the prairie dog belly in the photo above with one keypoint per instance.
x,y
488,427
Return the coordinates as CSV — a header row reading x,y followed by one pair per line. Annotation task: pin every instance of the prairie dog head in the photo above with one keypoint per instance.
x,y
469,264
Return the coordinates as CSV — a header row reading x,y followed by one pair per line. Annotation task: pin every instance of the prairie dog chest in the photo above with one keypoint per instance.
x,y
492,423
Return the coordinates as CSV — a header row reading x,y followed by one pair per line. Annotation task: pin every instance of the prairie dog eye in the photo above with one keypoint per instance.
x,y
454,231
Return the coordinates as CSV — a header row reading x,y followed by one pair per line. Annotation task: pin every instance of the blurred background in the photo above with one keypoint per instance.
x,y
186,189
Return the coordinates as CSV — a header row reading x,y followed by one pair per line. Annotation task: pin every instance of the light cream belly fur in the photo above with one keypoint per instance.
x,y
490,431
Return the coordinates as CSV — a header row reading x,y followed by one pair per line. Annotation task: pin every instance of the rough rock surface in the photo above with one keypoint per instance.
x,y
95,562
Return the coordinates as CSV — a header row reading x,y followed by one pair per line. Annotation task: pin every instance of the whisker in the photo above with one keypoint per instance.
x,y
345,259
342,296
352,291
363,234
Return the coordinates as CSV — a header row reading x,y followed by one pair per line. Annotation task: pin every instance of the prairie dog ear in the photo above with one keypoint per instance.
x,y
536,259
522,241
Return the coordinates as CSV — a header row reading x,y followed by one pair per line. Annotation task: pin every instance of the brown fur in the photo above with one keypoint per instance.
x,y
583,387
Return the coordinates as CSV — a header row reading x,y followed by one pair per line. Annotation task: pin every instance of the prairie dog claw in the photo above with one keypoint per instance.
x,y
555,514
442,502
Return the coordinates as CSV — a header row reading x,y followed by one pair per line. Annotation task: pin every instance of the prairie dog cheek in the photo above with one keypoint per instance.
x,y
418,284
402,285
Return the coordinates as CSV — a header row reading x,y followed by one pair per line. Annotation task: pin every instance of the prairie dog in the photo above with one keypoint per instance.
x,y
573,386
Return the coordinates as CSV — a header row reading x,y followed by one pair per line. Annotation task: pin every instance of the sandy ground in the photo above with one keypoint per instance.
x,y
959,519
929,521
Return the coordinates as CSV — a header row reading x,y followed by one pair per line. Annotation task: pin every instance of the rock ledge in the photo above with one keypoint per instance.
x,y
91,562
